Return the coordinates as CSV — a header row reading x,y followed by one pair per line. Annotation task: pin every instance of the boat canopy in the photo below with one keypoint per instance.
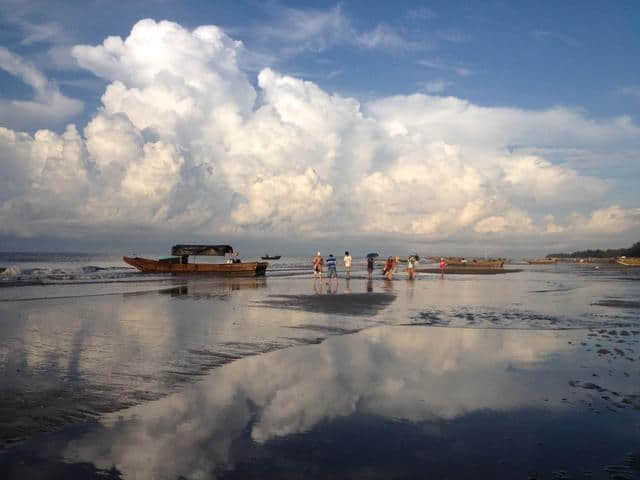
x,y
213,250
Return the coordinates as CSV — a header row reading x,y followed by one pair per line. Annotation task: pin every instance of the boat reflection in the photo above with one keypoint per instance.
x,y
199,289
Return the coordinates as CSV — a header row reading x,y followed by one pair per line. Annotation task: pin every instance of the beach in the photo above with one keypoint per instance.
x,y
107,373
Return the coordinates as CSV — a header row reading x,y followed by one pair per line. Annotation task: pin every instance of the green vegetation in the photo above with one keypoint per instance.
x,y
633,251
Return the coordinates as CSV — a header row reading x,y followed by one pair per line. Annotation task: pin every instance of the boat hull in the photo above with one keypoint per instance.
x,y
469,270
243,269
475,264
629,261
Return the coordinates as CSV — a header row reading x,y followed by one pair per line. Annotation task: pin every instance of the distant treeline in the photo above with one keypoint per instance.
x,y
633,251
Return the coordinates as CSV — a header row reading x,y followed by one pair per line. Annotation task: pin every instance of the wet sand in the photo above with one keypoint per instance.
x,y
531,374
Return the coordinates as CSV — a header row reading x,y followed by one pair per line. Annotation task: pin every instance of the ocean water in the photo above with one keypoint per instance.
x,y
109,373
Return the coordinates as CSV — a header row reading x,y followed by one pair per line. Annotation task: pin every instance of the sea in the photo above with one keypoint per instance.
x,y
106,372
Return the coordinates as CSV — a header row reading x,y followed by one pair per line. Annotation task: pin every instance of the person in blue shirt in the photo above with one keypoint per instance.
x,y
331,269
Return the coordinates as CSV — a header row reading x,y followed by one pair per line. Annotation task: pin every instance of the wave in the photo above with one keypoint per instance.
x,y
16,276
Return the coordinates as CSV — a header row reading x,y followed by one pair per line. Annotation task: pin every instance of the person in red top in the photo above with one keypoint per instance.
x,y
388,268
443,264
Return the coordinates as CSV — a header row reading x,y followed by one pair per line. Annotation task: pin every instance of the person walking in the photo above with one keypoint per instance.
x,y
370,262
388,268
443,265
331,270
318,263
347,264
410,263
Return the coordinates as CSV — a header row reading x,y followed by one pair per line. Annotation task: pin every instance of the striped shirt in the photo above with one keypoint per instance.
x,y
331,262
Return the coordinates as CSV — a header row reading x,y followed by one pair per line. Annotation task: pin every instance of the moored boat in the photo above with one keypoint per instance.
x,y
415,256
178,263
474,263
268,257
541,261
629,261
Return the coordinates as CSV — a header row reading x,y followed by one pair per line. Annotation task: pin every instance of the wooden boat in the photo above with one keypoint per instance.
x,y
468,270
178,263
406,259
541,261
629,261
474,263
274,257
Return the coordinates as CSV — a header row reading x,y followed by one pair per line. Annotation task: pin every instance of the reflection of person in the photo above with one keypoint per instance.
x,y
369,285
410,262
347,287
331,269
317,285
347,264
388,268
317,265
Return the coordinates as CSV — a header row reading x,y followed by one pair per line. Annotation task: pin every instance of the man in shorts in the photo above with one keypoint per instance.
x,y
347,264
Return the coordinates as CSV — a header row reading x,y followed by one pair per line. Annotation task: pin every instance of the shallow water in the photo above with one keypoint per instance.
x,y
528,373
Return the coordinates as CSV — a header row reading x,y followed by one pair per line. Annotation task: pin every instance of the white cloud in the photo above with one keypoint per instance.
x,y
543,35
607,221
421,13
436,86
48,107
298,30
185,137
453,36
630,90
440,65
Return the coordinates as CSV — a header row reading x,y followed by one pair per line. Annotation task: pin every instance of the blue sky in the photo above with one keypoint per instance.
x,y
562,78
531,55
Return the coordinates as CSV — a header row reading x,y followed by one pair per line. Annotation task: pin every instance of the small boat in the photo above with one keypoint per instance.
x,y
457,270
178,262
541,261
474,263
274,257
416,257
629,261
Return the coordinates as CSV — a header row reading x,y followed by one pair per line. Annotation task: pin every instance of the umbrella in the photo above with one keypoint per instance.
x,y
372,255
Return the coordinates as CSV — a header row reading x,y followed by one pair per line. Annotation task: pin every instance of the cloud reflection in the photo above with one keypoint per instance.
x,y
409,373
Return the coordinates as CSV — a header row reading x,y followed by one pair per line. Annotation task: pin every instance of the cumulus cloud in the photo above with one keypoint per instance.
x,y
185,139
49,105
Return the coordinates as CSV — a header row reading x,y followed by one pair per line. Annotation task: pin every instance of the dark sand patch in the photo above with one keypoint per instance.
x,y
476,317
358,304
621,400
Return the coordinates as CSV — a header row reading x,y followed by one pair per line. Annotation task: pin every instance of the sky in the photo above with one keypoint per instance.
x,y
502,128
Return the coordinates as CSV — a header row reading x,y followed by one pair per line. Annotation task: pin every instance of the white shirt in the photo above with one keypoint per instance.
x,y
347,261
